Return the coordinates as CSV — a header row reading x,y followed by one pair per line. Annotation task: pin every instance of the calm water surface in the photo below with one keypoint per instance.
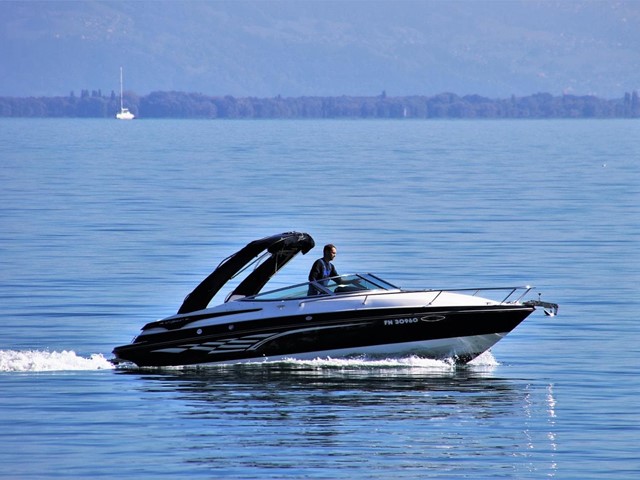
x,y
107,225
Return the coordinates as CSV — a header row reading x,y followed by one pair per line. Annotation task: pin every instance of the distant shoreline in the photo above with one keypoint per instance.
x,y
444,105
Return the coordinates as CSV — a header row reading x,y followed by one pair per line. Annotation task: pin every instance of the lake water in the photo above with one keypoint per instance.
x,y
107,225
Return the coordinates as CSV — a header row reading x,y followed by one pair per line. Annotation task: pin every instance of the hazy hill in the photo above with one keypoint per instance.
x,y
298,48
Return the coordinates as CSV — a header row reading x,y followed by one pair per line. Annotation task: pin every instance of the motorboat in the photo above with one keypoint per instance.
x,y
355,315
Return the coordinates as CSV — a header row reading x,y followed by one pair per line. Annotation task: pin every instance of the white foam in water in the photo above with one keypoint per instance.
x,y
413,362
486,361
44,361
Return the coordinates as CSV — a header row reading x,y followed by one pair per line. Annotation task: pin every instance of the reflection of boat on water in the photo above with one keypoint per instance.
x,y
297,411
359,314
124,113
359,377
364,383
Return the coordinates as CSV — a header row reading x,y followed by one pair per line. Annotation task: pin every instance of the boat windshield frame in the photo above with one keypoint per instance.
x,y
358,283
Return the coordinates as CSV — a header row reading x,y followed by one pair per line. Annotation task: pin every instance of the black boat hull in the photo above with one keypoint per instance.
x,y
459,333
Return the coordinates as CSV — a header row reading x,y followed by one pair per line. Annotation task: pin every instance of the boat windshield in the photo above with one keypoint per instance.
x,y
354,283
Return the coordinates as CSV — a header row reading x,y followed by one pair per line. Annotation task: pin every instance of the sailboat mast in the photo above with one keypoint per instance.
x,y
121,104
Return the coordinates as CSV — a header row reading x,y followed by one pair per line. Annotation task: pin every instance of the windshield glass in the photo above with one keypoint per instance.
x,y
332,286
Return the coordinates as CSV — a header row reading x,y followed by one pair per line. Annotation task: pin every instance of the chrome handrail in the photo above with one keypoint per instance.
x,y
438,291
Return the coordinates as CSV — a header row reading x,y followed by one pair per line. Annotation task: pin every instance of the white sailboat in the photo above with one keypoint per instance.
x,y
124,113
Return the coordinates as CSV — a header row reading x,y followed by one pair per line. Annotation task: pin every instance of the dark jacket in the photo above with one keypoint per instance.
x,y
321,270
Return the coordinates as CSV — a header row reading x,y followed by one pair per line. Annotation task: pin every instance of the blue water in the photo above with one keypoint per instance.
x,y
107,225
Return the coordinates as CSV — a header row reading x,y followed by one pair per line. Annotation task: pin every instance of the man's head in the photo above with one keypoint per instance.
x,y
329,252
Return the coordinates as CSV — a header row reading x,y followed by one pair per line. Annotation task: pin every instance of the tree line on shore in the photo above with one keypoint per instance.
x,y
445,105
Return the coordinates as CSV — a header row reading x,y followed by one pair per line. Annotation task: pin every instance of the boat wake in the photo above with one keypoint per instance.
x,y
68,360
45,361
413,362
